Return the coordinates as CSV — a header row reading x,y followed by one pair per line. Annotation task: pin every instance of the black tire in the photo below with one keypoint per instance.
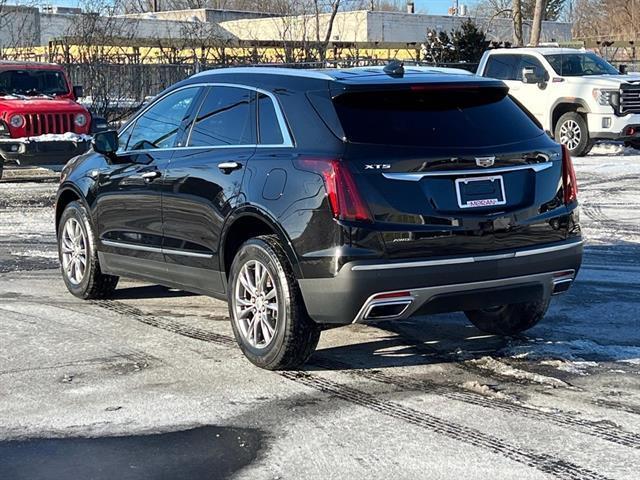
x,y
94,283
1,167
296,335
585,143
633,144
509,319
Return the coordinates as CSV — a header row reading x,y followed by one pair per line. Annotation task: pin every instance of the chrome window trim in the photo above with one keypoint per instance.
x,y
144,248
461,260
282,123
416,177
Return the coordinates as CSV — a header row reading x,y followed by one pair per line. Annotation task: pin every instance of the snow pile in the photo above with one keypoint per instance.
x,y
609,149
504,370
51,137
575,351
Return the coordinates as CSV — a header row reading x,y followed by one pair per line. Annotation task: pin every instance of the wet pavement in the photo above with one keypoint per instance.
x,y
140,386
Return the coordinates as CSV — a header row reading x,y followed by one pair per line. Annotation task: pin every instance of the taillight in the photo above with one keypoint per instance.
x,y
342,192
569,182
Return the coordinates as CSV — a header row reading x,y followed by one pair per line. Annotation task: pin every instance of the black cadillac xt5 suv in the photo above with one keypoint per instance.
x,y
311,199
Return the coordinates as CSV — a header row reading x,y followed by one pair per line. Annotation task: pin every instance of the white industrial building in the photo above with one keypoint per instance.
x,y
24,26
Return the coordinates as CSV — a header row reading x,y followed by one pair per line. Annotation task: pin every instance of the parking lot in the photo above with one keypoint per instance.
x,y
152,381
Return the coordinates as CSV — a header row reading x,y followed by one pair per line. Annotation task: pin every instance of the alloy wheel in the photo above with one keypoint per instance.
x,y
74,251
570,134
256,304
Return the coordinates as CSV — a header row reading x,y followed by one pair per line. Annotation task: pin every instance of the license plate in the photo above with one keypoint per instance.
x,y
478,192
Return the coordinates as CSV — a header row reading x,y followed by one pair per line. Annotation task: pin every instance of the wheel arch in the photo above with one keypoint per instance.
x,y
250,222
67,194
565,105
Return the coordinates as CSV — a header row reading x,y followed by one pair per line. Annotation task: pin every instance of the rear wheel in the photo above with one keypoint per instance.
x,y
267,312
572,131
79,257
509,319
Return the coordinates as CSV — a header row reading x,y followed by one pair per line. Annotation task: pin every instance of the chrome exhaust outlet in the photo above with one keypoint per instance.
x,y
562,281
386,310
387,305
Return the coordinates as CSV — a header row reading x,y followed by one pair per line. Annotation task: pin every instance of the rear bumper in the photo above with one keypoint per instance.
x,y
442,284
30,154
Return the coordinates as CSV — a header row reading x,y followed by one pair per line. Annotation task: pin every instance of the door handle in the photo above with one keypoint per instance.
x,y
150,176
228,167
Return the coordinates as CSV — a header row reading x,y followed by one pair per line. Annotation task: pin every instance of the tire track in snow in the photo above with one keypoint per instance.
x,y
595,213
544,462
604,431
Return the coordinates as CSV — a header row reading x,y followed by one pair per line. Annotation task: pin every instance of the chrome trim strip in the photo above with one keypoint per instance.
x,y
417,176
282,123
171,251
459,260
555,248
143,248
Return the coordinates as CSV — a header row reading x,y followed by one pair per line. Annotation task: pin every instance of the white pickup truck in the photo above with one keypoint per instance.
x,y
576,95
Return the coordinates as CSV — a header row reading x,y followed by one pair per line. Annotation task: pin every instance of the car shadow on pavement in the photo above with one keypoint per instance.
x,y
197,454
425,340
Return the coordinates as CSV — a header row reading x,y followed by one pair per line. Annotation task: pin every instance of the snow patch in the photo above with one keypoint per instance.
x,y
495,366
483,389
607,149
574,351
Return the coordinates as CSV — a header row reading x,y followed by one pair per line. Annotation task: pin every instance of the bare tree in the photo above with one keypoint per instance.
x,y
536,26
517,23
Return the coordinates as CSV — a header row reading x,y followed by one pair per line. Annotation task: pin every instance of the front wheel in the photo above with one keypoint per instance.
x,y
572,131
509,319
79,257
268,316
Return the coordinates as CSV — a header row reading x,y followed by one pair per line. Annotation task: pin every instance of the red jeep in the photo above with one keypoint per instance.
x,y
41,122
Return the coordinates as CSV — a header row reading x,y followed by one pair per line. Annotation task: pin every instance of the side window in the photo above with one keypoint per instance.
x,y
227,117
529,62
502,67
158,126
268,126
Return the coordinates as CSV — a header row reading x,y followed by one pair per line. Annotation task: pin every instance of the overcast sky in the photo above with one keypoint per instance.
x,y
436,7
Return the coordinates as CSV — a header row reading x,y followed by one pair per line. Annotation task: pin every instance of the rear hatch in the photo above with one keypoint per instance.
x,y
450,169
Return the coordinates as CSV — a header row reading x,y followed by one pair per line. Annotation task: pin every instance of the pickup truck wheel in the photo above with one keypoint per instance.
x,y
268,316
509,319
572,131
633,144
79,257
1,167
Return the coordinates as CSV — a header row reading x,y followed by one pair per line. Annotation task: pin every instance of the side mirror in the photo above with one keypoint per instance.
x,y
106,143
532,75
98,124
622,69
78,91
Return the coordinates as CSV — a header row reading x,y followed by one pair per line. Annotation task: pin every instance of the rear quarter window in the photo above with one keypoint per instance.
x,y
469,117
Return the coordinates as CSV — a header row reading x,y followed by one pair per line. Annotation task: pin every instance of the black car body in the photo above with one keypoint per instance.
x,y
388,195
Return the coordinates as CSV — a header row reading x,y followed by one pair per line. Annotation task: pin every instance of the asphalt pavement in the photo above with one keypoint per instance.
x,y
150,384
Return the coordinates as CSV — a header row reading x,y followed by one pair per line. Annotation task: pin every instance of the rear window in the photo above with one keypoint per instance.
x,y
472,117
